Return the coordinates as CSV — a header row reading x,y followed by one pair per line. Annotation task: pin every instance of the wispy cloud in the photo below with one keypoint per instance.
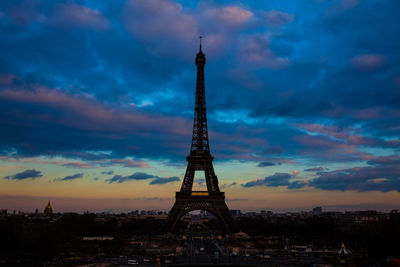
x,y
161,180
78,16
277,18
27,174
368,62
382,175
315,169
135,176
277,179
228,185
143,176
69,177
266,164
256,50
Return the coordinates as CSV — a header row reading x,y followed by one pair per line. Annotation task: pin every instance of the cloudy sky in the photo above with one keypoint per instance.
x,y
97,99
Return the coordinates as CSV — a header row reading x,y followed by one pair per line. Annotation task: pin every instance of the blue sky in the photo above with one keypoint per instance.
x,y
303,101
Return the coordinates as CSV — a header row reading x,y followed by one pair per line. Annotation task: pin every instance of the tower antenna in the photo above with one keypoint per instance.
x,y
200,41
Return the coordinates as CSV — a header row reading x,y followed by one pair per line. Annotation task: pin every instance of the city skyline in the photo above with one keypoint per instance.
x,y
97,103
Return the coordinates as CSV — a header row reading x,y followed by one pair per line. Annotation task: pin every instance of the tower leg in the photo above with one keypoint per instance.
x,y
212,204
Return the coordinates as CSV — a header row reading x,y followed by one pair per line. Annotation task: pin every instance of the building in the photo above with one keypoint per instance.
x,y
317,211
235,213
48,210
394,216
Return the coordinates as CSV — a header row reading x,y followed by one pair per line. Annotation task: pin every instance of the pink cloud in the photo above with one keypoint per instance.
x,y
315,141
362,114
222,24
384,160
245,78
346,145
215,43
132,163
350,135
368,62
232,148
231,15
326,148
362,140
78,16
84,113
26,13
348,4
237,138
342,6
6,79
376,113
277,18
88,114
64,163
371,113
287,161
256,50
80,165
330,130
156,19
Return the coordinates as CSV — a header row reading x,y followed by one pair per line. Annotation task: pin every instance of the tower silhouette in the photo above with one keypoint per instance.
x,y
200,159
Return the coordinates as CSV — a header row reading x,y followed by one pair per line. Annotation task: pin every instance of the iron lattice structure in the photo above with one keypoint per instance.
x,y
200,159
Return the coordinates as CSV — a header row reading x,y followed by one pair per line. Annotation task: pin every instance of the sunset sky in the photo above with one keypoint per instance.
x,y
97,101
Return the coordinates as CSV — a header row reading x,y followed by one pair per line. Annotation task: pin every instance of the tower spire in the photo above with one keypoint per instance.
x,y
200,132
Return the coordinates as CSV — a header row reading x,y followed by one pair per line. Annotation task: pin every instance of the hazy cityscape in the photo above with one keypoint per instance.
x,y
308,238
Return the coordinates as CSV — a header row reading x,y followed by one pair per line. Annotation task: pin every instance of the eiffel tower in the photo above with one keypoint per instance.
x,y
200,159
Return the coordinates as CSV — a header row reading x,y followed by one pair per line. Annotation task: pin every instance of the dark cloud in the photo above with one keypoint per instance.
x,y
374,178
143,176
278,179
276,149
78,16
27,174
228,185
391,160
70,177
135,176
200,181
161,180
265,164
297,185
277,18
316,169
383,175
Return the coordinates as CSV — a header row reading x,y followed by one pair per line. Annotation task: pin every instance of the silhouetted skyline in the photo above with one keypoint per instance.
x,y
96,102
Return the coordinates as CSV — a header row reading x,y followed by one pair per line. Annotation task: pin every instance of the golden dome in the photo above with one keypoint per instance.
x,y
48,210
